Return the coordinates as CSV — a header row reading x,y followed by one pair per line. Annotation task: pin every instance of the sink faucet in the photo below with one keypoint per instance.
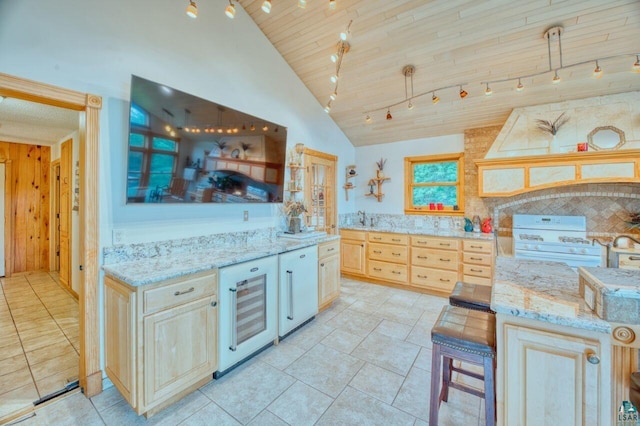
x,y
619,237
363,219
607,246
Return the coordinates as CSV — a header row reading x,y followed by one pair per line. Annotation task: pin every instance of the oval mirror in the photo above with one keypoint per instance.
x,y
605,138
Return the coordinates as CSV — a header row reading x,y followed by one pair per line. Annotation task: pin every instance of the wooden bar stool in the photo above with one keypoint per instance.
x,y
463,335
471,296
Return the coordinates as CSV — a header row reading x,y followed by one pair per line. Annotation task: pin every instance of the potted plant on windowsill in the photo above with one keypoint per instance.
x,y
293,209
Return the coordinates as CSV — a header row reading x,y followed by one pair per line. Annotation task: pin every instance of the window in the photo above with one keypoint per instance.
x,y
434,184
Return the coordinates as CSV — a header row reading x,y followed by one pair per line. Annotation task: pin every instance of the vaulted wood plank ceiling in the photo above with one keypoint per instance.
x,y
450,42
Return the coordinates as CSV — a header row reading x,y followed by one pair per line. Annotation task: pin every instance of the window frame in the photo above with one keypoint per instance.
x,y
148,151
409,184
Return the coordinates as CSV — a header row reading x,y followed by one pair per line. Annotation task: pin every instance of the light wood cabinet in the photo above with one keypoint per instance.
x,y
387,256
549,374
353,252
434,263
478,259
328,273
161,338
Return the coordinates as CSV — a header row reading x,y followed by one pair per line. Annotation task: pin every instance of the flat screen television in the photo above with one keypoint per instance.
x,y
185,149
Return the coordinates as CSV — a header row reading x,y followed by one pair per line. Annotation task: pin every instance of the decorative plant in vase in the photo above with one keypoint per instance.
x,y
221,145
633,221
245,147
552,128
293,209
380,165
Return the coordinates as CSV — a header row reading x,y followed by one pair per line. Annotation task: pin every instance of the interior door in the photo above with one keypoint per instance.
x,y
320,190
2,171
65,213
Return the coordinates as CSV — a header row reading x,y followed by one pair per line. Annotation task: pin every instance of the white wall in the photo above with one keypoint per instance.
x,y
95,46
393,200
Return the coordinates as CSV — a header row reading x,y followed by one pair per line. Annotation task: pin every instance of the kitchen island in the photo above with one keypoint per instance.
x,y
553,352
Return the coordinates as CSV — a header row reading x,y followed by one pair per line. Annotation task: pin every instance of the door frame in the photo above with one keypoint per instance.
x,y
8,218
90,375
55,207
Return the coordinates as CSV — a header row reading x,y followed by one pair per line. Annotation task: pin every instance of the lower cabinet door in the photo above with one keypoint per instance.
x,y
553,378
179,348
328,280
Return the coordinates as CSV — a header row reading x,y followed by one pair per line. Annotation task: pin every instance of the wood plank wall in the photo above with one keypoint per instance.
x,y
30,207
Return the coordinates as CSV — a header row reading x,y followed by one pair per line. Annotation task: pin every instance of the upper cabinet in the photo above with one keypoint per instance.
x,y
504,177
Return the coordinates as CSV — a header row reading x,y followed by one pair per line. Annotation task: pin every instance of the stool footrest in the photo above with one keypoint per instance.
x,y
465,388
468,373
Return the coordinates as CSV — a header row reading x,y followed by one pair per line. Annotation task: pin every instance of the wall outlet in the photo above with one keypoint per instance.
x,y
246,215
118,236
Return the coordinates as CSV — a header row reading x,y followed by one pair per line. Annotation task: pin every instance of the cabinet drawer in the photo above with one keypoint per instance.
x,y
381,237
477,280
388,253
388,271
477,258
348,234
478,246
435,279
477,270
629,260
431,258
328,249
179,292
437,243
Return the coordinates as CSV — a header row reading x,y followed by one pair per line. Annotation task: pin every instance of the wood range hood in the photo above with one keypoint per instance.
x,y
505,177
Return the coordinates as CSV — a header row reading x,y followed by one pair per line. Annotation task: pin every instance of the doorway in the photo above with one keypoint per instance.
x,y
90,374
320,190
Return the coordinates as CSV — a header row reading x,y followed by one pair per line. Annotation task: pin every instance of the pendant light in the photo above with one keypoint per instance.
x,y
367,118
332,4
556,78
434,98
463,93
266,6
389,116
636,66
327,107
520,86
192,9
488,90
230,11
597,71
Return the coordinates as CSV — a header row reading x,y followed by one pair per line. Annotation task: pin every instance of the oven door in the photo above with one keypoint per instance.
x,y
248,310
572,260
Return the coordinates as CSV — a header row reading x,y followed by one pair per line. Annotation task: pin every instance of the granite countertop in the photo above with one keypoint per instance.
x,y
160,268
433,232
613,281
544,291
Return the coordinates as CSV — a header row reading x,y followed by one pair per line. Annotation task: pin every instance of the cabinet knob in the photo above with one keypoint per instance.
x,y
214,304
592,357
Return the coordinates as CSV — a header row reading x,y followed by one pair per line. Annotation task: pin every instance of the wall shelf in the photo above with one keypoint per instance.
x,y
350,173
377,182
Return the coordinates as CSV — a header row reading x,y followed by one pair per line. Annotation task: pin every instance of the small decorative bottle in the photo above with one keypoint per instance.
x,y
476,223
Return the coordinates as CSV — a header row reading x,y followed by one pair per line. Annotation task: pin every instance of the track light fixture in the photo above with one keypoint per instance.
x,y
332,4
597,71
367,118
327,107
230,11
553,34
265,128
192,9
252,128
341,48
266,6
302,4
408,71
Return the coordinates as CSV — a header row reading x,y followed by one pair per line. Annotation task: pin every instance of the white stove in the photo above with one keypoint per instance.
x,y
554,238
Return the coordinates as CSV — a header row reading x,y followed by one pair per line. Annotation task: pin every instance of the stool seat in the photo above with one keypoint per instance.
x,y
465,330
471,296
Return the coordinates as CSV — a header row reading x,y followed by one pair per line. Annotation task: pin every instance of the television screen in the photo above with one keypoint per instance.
x,y
185,149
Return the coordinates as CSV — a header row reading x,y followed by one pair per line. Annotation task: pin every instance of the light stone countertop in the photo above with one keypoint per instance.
x,y
543,291
433,232
613,281
160,268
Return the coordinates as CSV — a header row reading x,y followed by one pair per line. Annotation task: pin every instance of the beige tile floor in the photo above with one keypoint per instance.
x,y
364,361
38,339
